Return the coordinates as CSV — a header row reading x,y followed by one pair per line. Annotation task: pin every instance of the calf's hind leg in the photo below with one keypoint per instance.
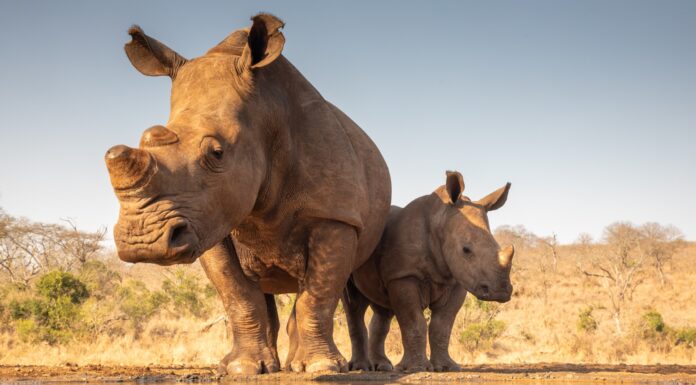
x,y
355,304
379,328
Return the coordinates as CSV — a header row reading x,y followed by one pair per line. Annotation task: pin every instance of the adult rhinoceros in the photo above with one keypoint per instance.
x,y
252,156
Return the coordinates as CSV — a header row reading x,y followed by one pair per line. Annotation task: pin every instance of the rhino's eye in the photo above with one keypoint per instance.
x,y
467,251
212,153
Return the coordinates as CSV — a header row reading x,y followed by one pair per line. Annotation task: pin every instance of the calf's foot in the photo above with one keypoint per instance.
x,y
382,364
359,363
412,365
444,364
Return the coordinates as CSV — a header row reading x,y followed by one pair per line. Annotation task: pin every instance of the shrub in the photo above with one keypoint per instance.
x,y
54,314
586,321
686,337
653,322
185,293
58,284
138,303
481,335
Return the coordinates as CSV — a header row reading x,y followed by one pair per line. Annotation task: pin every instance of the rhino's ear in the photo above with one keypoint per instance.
x,y
496,199
265,42
151,57
454,185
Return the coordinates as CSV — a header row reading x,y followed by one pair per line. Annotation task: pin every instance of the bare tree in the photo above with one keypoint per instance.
x,y
660,243
28,249
551,243
617,266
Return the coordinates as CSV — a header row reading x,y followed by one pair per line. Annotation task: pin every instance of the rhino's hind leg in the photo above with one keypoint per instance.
x,y
379,328
440,329
332,248
253,350
355,304
293,339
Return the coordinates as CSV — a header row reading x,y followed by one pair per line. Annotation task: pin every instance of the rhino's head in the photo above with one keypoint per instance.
x,y
193,180
468,248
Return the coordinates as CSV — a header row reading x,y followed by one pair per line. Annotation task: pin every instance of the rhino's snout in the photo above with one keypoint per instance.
x,y
128,167
176,243
503,293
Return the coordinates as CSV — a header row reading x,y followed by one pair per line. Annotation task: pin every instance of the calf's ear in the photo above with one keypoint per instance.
x,y
265,41
454,185
151,57
496,199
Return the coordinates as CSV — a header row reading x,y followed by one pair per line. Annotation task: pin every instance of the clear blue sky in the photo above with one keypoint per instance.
x,y
587,107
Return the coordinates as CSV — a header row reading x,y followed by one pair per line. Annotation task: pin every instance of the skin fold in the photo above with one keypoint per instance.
x,y
255,173
432,252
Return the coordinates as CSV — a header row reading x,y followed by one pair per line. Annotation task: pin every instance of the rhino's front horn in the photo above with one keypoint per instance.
x,y
505,256
128,167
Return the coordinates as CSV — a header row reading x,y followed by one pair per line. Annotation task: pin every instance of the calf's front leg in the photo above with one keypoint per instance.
x,y
440,329
404,296
253,332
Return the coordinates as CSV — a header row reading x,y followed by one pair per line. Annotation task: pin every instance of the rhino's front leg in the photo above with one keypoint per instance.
x,y
405,298
253,333
440,329
332,248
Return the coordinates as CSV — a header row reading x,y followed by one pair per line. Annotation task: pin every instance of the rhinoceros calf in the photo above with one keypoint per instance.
x,y
432,252
274,188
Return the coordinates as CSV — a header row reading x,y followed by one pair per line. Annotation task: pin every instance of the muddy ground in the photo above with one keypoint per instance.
x,y
531,373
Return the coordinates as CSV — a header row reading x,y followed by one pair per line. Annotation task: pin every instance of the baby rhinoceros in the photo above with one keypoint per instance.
x,y
432,252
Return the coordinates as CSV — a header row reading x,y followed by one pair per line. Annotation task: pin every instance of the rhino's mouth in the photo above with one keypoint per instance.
x,y
485,293
174,242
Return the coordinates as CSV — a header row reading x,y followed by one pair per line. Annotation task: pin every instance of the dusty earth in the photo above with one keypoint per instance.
x,y
530,373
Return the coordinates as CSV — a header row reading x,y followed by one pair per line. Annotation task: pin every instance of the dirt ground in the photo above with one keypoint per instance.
x,y
531,373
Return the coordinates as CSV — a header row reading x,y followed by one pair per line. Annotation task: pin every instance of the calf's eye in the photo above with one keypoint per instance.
x,y
467,251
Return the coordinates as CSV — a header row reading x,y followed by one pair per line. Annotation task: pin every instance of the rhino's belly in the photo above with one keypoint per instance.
x,y
278,281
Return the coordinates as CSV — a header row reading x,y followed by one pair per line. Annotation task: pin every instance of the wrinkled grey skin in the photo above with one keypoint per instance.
x,y
271,186
432,252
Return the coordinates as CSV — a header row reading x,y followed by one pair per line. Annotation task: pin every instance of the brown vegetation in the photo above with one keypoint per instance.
x,y
565,308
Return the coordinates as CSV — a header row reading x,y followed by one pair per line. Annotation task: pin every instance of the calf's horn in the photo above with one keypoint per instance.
x,y
505,256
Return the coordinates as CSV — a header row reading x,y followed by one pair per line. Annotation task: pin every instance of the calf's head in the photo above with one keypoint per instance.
x,y
467,246
193,180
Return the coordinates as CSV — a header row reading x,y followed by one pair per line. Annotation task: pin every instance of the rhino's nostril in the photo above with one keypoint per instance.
x,y
484,289
177,235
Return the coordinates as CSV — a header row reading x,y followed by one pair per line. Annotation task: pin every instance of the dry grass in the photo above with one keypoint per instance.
x,y
540,324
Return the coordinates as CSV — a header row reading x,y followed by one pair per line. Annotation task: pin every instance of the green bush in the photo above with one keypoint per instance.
x,y
481,335
58,284
53,315
586,321
686,337
138,303
185,293
653,322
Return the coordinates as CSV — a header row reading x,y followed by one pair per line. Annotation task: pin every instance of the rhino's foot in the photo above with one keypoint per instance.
x,y
412,365
320,363
249,364
360,363
382,364
445,364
